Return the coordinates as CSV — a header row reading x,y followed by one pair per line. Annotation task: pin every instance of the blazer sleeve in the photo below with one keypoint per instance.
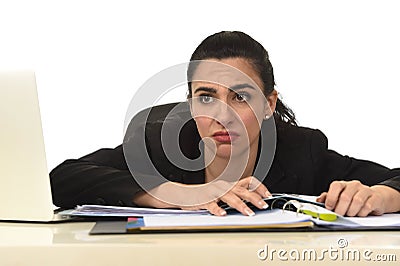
x,y
330,166
109,176
392,182
104,177
101,177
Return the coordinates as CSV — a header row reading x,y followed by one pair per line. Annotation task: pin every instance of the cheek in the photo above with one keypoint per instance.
x,y
203,125
251,123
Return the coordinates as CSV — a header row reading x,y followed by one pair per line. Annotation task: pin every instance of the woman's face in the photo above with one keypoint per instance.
x,y
228,105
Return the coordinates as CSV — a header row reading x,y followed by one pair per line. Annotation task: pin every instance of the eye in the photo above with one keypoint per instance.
x,y
206,99
242,97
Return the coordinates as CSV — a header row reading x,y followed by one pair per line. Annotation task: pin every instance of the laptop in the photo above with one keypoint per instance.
x,y
25,192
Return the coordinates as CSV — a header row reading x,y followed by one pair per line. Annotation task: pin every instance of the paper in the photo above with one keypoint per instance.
x,y
113,211
266,217
175,217
388,219
275,217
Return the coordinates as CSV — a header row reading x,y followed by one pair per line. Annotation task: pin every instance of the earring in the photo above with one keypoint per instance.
x,y
266,117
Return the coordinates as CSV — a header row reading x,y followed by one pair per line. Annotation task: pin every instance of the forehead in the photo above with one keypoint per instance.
x,y
226,72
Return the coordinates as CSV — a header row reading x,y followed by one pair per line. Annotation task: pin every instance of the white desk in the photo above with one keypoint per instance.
x,y
70,244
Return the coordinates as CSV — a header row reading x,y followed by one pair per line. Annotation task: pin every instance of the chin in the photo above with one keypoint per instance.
x,y
227,150
224,151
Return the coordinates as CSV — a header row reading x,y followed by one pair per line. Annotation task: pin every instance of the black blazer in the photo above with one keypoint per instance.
x,y
302,164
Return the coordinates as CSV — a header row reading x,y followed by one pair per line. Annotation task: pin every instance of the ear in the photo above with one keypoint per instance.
x,y
270,106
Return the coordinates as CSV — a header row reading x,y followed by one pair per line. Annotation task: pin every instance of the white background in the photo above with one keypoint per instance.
x,y
335,63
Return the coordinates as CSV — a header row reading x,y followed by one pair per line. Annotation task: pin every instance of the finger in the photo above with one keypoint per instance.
x,y
365,210
358,201
373,205
262,190
191,208
255,185
322,197
346,197
213,208
235,202
249,196
332,196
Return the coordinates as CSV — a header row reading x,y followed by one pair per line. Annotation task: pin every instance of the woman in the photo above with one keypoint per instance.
x,y
232,101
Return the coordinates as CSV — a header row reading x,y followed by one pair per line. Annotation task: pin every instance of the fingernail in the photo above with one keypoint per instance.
x,y
249,212
263,204
268,194
223,213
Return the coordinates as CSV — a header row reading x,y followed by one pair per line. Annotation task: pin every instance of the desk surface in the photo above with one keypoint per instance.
x,y
70,244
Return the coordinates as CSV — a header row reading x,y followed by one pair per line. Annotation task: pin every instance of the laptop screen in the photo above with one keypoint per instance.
x,y
25,192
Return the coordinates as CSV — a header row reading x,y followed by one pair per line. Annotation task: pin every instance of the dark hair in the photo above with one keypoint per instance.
x,y
233,44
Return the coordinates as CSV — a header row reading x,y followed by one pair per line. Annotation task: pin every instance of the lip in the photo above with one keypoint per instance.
x,y
225,136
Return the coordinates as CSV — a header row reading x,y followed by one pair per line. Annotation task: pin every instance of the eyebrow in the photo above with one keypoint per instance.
x,y
206,89
241,86
233,88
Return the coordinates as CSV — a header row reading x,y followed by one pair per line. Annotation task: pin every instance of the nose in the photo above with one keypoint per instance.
x,y
224,114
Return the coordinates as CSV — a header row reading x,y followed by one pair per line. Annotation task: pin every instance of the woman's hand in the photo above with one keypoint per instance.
x,y
249,189
352,198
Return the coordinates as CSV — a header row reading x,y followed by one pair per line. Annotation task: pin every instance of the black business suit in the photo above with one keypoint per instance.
x,y
302,164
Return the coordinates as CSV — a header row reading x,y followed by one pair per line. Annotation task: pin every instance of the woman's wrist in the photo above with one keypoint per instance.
x,y
391,198
158,196
145,199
